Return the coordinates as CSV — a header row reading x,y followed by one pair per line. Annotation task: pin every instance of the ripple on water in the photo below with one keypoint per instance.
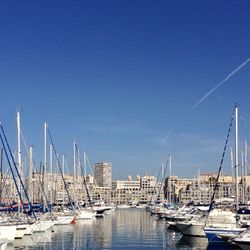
x,y
123,229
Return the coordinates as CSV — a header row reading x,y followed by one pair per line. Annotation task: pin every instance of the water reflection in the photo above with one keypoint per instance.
x,y
82,234
123,229
193,242
36,240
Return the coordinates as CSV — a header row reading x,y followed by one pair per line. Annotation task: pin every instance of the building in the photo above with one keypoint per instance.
x,y
125,192
151,190
101,194
103,174
172,187
200,189
142,189
126,185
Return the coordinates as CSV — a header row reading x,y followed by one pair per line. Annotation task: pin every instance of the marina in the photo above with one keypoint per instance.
x,y
130,228
58,218
124,125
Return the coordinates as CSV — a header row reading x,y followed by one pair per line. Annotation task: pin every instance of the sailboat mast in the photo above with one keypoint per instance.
x,y
170,169
51,176
31,175
45,165
85,165
63,176
74,150
162,180
1,176
236,159
245,167
245,158
242,177
78,171
19,158
85,174
232,163
57,170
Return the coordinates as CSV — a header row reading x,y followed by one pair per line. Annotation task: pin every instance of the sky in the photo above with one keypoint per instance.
x,y
132,82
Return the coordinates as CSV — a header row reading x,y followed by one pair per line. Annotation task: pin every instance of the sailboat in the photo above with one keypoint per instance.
x,y
99,207
83,213
45,220
22,222
65,216
217,234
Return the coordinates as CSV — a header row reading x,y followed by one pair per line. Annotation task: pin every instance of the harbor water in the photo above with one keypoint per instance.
x,y
131,228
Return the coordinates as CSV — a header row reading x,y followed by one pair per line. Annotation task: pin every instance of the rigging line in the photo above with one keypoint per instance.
x,y
67,169
90,166
164,174
154,190
39,176
25,145
4,184
18,174
84,179
5,177
99,191
220,168
66,164
8,194
247,134
60,169
13,175
1,184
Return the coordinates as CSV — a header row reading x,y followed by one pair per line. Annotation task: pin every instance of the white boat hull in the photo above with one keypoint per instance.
x,y
42,226
8,232
123,206
86,214
29,229
3,245
64,219
191,229
20,231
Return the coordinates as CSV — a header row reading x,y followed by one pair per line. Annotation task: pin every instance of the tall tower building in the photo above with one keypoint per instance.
x,y
103,174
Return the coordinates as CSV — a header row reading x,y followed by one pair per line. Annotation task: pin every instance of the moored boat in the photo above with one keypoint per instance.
x,y
213,233
64,219
7,232
85,214
242,240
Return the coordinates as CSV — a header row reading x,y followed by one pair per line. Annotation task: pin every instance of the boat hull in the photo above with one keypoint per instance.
x,y
242,245
20,231
42,226
64,220
213,234
190,229
85,214
8,232
29,229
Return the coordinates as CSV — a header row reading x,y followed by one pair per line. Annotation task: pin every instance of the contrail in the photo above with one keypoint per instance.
x,y
164,140
219,84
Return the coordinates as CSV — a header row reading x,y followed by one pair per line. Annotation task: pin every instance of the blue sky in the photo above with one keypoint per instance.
x,y
120,77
